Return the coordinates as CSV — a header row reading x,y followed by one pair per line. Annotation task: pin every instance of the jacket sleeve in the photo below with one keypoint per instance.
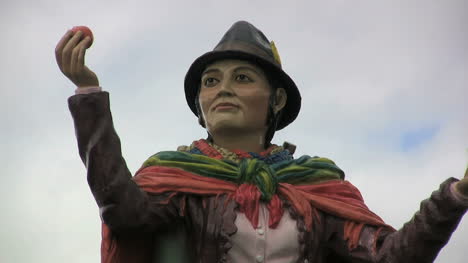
x,y
122,204
419,240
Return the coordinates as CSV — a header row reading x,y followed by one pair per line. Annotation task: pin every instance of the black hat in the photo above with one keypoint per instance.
x,y
245,42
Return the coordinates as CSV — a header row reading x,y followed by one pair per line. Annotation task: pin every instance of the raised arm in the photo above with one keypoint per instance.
x,y
122,204
419,240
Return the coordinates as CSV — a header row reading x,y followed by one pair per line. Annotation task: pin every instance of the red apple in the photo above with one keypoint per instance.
x,y
86,32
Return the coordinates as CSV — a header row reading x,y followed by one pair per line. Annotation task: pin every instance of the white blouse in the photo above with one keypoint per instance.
x,y
264,244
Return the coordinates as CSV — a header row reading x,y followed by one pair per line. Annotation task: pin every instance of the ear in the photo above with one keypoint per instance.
x,y
280,101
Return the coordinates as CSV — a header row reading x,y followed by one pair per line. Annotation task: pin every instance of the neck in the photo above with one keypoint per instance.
x,y
252,142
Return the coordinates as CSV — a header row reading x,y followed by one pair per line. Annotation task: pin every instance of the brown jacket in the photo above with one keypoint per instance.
x,y
127,210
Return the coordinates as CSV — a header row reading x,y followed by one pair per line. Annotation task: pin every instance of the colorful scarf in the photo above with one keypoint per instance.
x,y
308,183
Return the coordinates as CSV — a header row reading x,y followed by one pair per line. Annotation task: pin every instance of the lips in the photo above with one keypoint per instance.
x,y
225,106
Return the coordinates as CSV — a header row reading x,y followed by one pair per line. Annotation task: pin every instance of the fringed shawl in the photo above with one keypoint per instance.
x,y
307,183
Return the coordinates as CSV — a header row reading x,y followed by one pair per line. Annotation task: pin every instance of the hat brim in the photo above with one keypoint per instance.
x,y
193,80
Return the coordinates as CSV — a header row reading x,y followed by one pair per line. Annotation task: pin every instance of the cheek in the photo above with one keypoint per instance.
x,y
205,99
257,106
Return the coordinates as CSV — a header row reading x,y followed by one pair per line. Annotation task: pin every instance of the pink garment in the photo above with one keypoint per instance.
x,y
88,90
264,244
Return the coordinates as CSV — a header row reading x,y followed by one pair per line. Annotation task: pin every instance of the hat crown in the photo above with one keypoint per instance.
x,y
245,32
243,36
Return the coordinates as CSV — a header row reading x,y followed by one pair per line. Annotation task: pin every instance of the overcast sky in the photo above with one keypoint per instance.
x,y
384,87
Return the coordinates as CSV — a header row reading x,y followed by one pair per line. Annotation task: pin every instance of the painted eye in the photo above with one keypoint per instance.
x,y
243,78
210,82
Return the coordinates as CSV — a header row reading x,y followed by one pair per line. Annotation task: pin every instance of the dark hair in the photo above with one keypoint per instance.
x,y
272,117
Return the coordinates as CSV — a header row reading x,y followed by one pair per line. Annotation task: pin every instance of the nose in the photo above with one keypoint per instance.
x,y
226,88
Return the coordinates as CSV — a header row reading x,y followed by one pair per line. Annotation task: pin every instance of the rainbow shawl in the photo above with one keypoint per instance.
x,y
308,183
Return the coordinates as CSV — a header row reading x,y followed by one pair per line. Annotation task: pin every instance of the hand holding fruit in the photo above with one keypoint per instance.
x,y
86,33
70,55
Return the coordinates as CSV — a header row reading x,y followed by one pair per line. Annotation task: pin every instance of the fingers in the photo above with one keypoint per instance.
x,y
60,45
68,52
73,49
81,55
79,62
77,58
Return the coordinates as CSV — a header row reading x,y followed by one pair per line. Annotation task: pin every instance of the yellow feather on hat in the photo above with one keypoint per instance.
x,y
275,52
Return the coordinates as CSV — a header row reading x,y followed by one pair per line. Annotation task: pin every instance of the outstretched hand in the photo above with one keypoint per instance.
x,y
462,185
70,55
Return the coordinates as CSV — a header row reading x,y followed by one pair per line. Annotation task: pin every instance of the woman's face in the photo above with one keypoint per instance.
x,y
234,97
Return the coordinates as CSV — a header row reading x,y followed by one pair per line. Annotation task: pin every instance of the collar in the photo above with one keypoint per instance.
x,y
273,154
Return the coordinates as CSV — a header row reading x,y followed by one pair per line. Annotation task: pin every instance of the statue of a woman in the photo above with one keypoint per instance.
x,y
237,196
